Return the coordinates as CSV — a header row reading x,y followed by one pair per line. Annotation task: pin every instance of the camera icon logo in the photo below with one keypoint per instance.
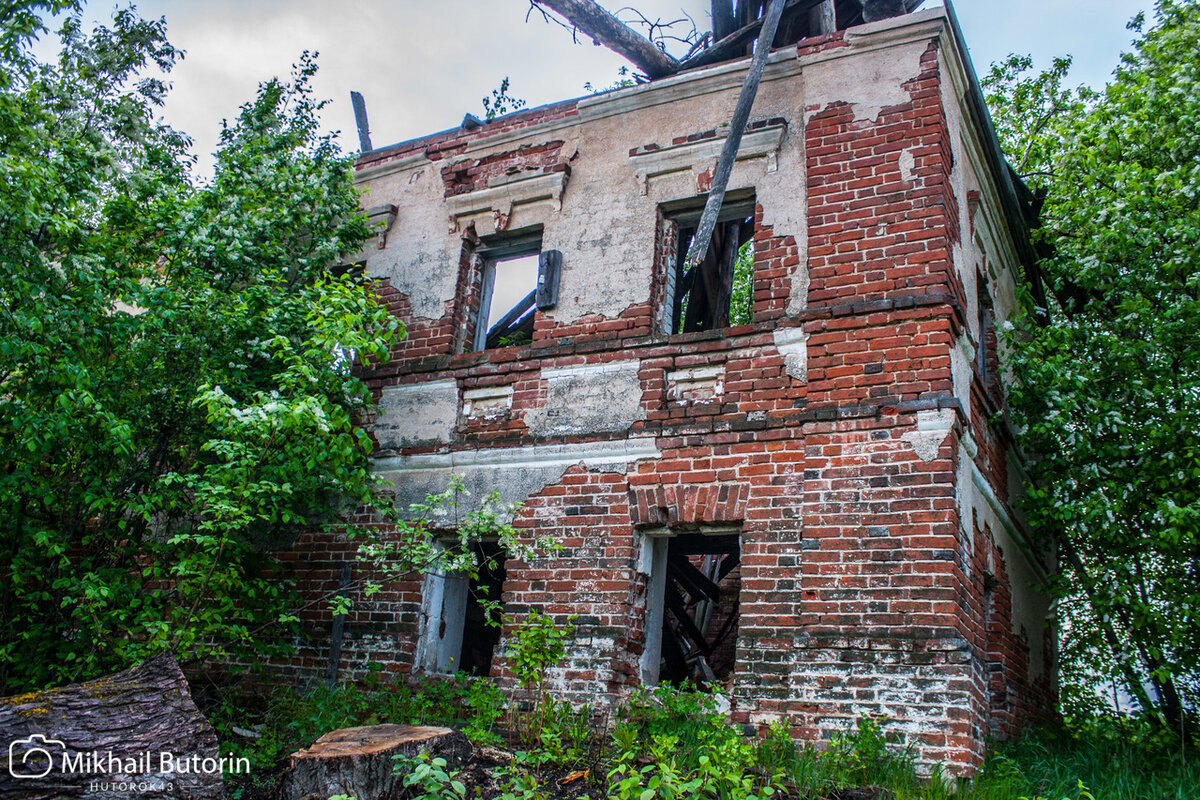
x,y
33,756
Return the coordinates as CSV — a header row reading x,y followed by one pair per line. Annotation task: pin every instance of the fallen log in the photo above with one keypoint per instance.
x,y
136,733
361,762
591,18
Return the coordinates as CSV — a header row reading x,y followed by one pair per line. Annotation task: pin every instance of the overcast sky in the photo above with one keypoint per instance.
x,y
423,64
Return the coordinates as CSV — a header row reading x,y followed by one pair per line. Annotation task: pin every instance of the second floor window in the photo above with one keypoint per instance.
x,y
719,291
508,292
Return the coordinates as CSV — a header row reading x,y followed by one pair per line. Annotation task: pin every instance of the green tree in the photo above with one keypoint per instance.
x,y
1106,386
176,393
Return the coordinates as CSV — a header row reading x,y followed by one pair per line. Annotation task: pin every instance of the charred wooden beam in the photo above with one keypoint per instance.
x,y
730,626
609,31
874,10
733,45
722,19
696,583
511,321
687,625
696,544
741,115
822,19
360,119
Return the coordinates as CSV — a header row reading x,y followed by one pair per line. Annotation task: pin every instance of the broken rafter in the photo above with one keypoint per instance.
x,y
741,115
684,572
733,45
609,31
722,19
823,18
729,40
874,10
511,321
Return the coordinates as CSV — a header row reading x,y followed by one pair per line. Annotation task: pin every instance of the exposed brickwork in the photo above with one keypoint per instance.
x,y
455,140
871,232
1013,696
776,259
861,589
467,176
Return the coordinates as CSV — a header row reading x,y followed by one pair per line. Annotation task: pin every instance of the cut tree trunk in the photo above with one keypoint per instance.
x,y
136,733
360,762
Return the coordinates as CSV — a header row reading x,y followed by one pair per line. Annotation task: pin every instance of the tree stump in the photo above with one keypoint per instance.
x,y
136,733
359,762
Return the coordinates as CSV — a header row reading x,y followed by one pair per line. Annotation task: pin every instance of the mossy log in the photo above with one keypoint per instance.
x,y
136,733
360,762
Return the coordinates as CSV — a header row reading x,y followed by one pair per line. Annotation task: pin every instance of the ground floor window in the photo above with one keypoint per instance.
x,y
457,636
692,607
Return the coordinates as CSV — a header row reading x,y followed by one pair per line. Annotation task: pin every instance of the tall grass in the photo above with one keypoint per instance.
x,y
1113,758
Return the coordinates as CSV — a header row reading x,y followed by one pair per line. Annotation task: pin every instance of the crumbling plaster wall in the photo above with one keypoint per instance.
x,y
987,493
606,225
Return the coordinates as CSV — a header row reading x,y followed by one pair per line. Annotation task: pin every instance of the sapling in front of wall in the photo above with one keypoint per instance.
x,y
537,644
436,535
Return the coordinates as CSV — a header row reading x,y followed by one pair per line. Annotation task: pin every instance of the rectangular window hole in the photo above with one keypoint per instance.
x,y
692,608
508,290
719,291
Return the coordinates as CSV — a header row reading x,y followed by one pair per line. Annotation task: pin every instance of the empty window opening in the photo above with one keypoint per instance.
x,y
508,293
719,291
458,635
692,608
985,351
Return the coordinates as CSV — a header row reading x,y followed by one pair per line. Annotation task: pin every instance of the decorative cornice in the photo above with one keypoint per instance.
x,y
763,143
497,200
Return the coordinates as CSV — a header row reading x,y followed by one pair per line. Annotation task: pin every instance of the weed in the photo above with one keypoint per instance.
x,y
428,778
678,744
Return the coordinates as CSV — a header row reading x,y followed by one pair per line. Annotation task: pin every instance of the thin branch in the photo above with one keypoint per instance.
x,y
551,19
659,31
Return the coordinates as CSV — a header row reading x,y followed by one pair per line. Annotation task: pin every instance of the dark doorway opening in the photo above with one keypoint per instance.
x,y
480,637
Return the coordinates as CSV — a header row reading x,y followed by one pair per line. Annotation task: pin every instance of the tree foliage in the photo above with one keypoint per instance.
x,y
1107,394
501,102
176,392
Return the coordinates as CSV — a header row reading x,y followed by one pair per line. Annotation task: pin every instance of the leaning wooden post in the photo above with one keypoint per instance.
x,y
741,115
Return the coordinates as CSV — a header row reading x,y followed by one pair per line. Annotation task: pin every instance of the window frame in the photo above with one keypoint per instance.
x,y
739,205
492,251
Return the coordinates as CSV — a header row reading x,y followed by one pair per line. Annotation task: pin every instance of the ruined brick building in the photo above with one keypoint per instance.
x,y
790,478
